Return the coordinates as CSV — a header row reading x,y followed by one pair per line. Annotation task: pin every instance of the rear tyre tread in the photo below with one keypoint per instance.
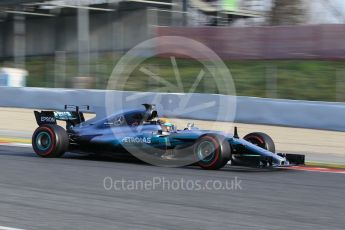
x,y
58,144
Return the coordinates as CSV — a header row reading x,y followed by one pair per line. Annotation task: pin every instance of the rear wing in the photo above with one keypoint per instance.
x,y
72,115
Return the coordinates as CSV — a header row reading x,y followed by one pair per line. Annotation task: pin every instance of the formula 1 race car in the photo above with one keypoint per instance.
x,y
143,130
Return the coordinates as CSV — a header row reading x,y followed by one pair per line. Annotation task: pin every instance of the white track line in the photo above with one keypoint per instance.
x,y
15,145
8,228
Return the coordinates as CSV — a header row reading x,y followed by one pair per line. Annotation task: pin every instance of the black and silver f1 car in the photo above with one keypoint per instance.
x,y
143,130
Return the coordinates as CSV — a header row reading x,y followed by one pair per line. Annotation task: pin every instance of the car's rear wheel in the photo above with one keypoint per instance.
x,y
212,152
50,141
262,140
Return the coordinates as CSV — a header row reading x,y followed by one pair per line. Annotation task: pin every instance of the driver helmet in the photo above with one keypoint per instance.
x,y
164,120
168,124
167,127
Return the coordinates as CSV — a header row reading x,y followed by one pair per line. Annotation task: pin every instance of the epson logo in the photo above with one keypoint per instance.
x,y
48,119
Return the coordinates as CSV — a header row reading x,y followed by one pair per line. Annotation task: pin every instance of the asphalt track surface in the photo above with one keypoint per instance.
x,y
69,193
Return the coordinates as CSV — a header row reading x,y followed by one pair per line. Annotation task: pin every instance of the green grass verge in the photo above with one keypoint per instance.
x,y
294,79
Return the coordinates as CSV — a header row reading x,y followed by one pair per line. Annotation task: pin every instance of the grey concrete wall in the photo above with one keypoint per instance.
x,y
2,39
108,32
7,33
133,29
40,36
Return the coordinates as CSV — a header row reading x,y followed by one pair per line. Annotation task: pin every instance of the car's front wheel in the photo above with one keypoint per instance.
x,y
212,152
262,140
50,141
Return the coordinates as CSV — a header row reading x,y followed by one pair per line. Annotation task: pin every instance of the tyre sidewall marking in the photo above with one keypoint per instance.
x,y
217,152
53,140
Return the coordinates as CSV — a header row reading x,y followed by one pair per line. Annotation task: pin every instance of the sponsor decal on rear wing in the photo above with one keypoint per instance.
x,y
71,117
